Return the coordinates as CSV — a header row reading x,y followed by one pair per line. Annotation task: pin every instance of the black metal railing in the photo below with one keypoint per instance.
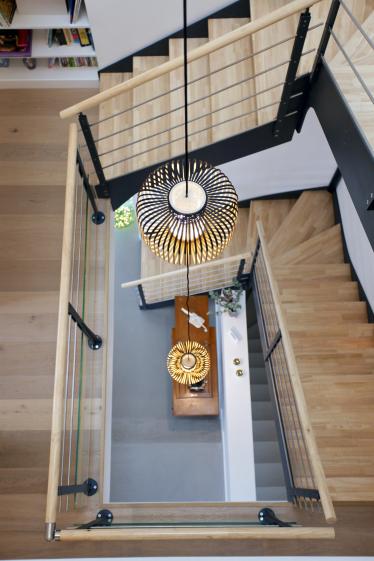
x,y
115,151
299,479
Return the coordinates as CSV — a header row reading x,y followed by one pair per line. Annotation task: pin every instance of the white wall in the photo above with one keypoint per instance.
x,y
359,248
121,27
303,163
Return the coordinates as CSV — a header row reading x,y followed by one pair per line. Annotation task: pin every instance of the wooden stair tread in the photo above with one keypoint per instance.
x,y
196,91
325,247
329,292
361,55
123,121
337,344
312,272
231,75
332,329
311,214
153,151
271,213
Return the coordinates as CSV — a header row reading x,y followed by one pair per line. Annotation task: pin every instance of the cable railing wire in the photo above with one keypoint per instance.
x,y
230,65
209,113
193,133
353,67
357,23
301,469
200,99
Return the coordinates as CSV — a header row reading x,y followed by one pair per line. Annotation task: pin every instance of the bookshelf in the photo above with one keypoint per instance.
x,y
16,75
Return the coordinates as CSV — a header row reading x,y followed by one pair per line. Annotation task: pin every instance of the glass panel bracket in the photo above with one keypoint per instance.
x,y
88,487
94,341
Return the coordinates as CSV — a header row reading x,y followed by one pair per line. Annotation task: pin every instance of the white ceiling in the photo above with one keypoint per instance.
x,y
122,27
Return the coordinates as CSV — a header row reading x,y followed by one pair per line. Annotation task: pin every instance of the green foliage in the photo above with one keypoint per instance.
x,y
124,217
228,298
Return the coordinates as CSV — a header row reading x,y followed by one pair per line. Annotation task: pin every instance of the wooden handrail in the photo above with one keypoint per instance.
x,y
207,533
184,270
207,48
310,441
62,331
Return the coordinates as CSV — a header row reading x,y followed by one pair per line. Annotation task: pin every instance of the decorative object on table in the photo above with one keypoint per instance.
x,y
30,63
15,43
195,320
228,299
198,387
176,230
187,209
7,10
124,216
4,62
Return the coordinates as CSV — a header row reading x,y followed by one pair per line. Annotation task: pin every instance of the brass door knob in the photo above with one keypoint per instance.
x,y
239,372
236,361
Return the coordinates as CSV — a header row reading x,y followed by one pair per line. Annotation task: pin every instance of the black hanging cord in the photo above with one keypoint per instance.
x,y
185,93
186,152
188,294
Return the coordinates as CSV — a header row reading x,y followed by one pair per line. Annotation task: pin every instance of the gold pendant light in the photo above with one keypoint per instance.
x,y
188,362
198,225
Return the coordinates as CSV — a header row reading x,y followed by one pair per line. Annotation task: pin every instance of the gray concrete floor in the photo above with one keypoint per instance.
x,y
155,457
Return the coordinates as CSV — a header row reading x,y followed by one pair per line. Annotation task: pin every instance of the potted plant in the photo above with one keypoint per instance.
x,y
228,299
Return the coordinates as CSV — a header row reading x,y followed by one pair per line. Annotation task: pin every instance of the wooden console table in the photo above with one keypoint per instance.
x,y
205,402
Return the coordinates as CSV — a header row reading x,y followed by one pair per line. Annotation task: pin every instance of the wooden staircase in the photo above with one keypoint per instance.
x,y
332,339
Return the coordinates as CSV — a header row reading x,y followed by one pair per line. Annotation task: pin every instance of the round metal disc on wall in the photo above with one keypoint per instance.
x,y
191,225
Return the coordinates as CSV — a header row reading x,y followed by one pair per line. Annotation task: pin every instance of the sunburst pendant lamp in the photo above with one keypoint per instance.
x,y
187,209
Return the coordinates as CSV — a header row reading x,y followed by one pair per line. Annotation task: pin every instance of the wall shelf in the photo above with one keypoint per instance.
x,y
47,21
40,48
18,76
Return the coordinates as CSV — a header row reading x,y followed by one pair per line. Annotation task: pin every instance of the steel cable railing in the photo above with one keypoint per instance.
x,y
205,129
194,81
301,485
305,479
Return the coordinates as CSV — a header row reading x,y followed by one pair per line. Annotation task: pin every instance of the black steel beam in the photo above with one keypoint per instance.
x,y
350,148
218,153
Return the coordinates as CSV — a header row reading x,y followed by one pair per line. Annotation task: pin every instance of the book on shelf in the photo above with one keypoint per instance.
x,y
74,8
72,62
74,36
7,9
15,43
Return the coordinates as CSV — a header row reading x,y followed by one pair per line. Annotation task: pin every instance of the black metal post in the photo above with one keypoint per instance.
x,y
306,493
87,133
94,341
88,487
297,49
330,20
143,305
240,269
98,217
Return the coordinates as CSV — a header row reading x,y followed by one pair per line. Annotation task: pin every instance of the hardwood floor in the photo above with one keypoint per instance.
x,y
32,163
